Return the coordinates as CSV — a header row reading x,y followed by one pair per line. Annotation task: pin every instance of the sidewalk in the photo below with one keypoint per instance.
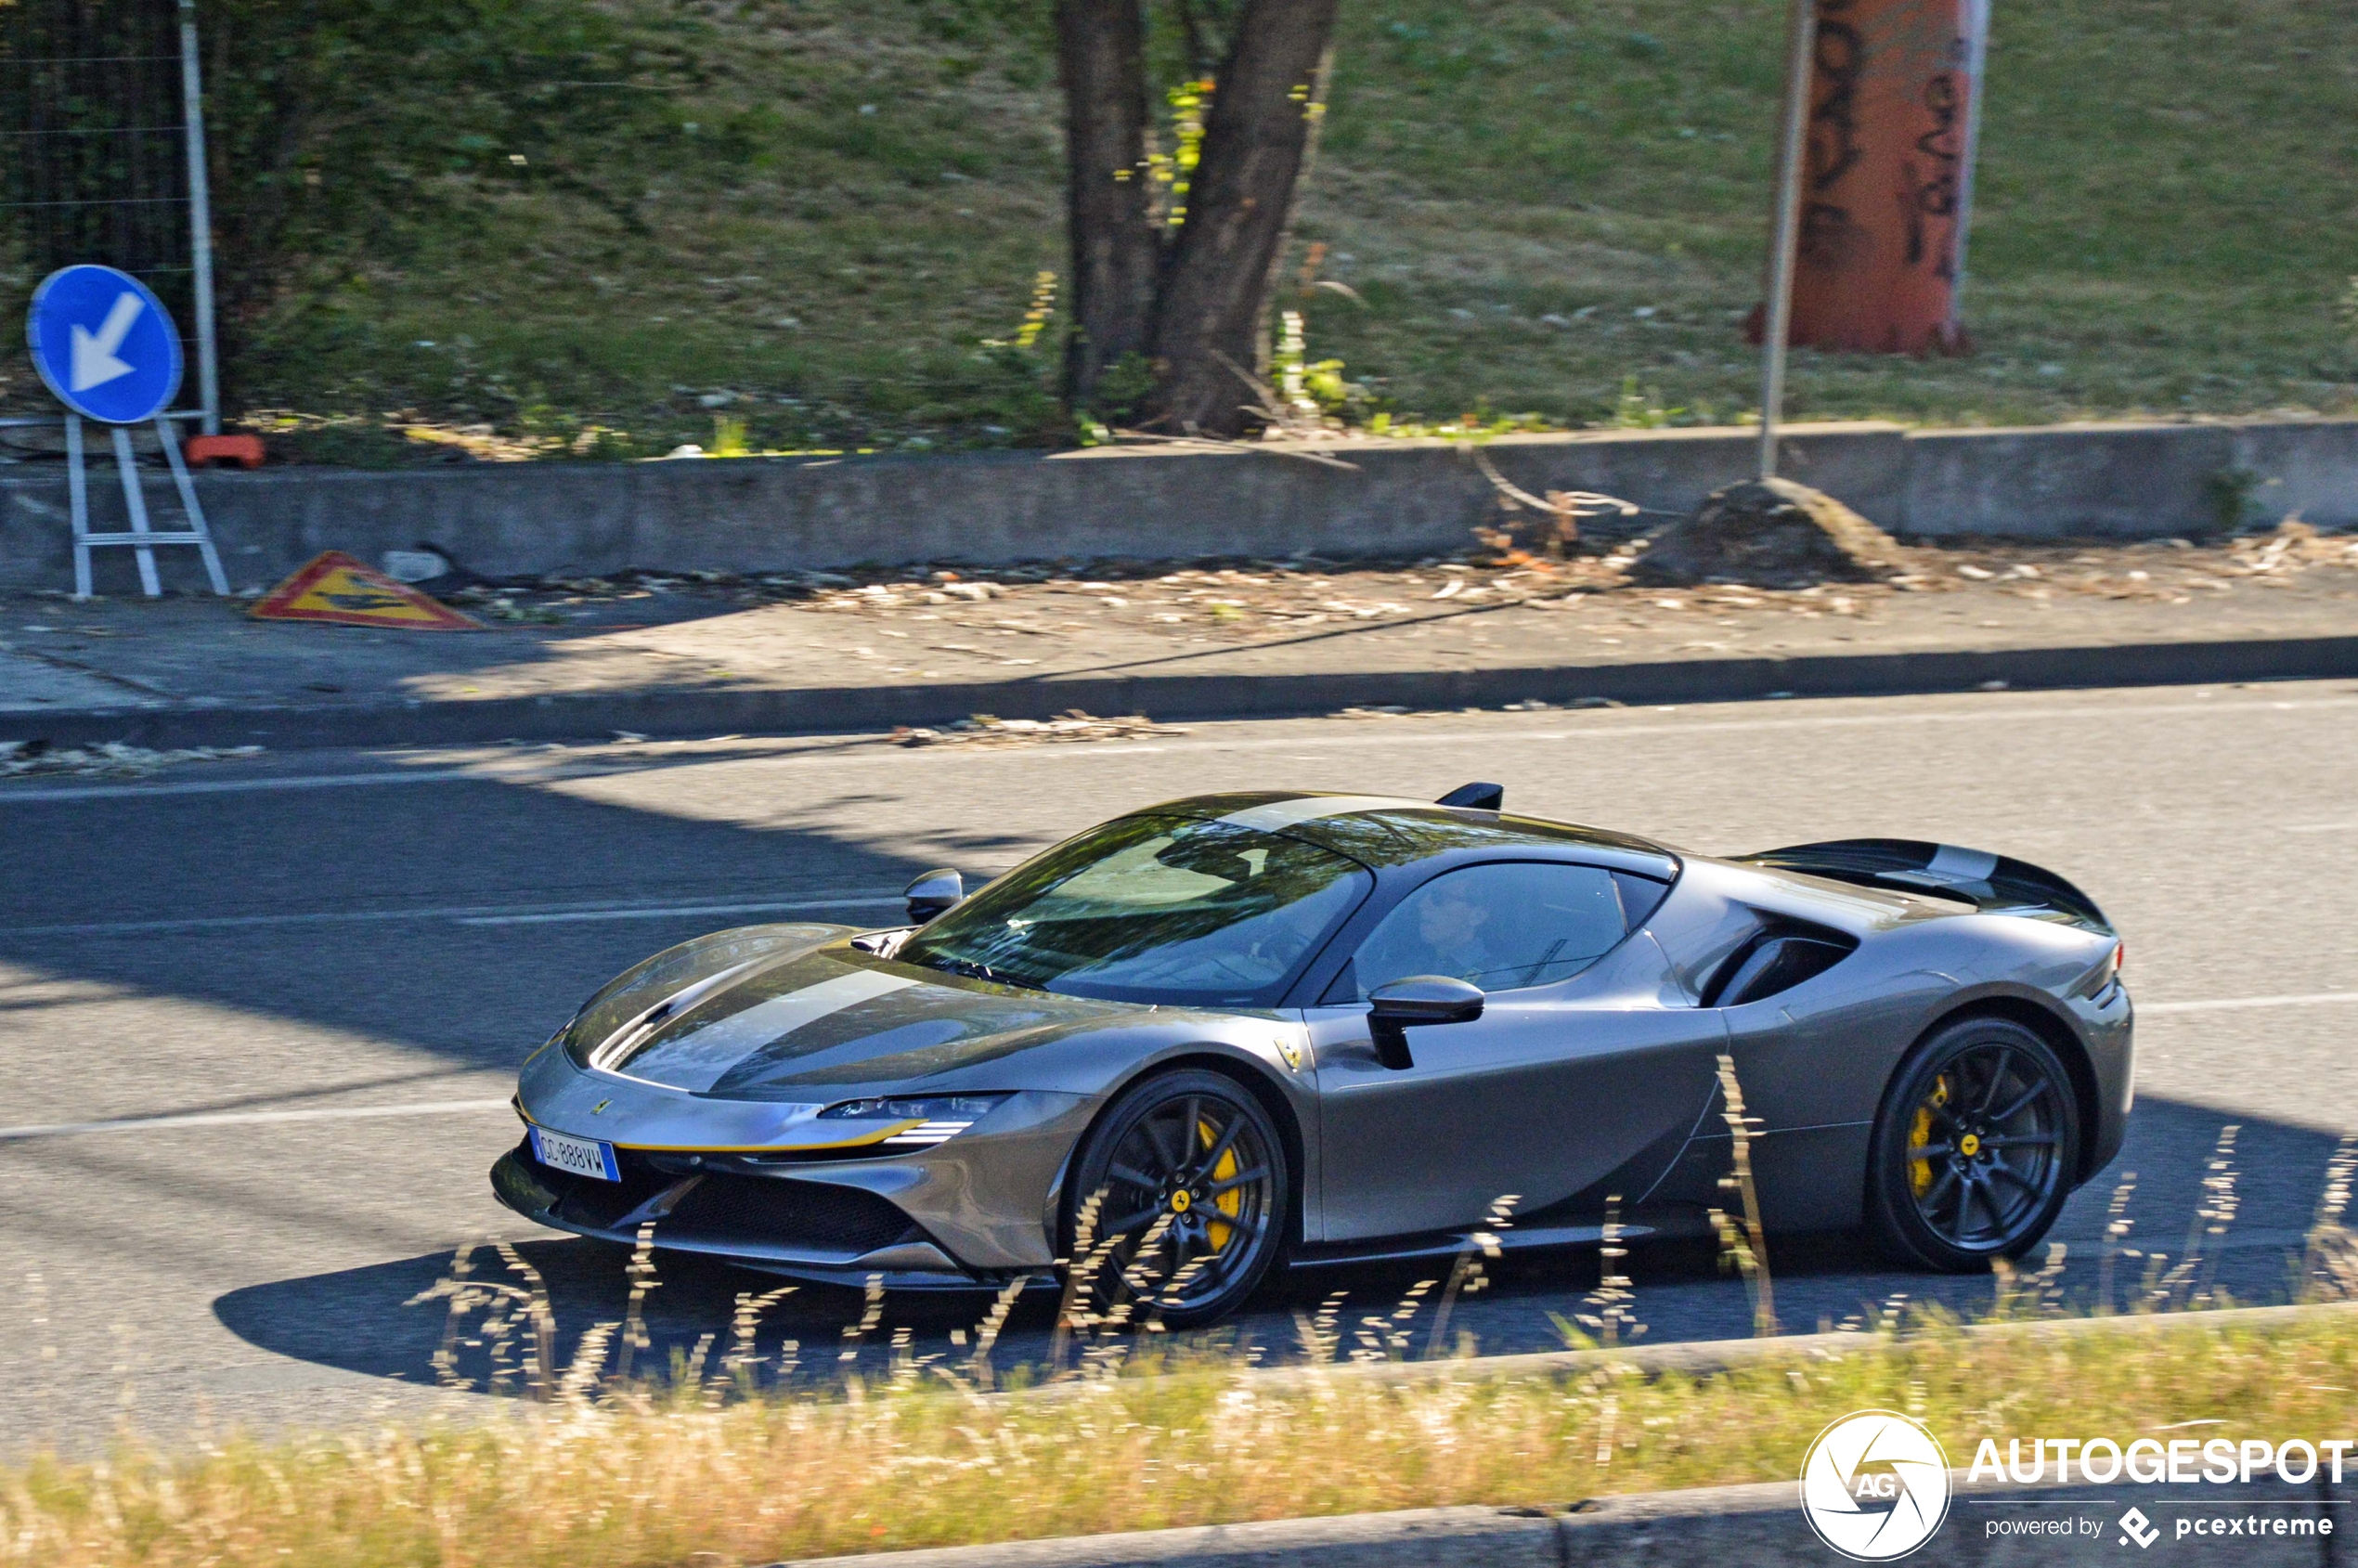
x,y
657,656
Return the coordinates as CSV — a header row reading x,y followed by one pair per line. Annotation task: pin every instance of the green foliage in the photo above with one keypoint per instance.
x,y
351,130
728,438
825,208
1641,411
1122,390
1189,102
2231,491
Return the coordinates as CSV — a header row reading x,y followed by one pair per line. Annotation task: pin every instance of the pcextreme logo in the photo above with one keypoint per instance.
x,y
1875,1485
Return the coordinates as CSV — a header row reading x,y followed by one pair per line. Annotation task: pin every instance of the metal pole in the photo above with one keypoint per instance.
x,y
1976,62
200,222
78,496
1802,44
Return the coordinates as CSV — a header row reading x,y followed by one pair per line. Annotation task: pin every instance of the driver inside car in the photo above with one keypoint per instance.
x,y
1444,932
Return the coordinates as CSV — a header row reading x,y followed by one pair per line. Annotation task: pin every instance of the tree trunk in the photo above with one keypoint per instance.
x,y
1109,207
1207,329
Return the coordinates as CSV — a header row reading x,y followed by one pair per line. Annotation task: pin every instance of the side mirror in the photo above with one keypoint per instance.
x,y
1419,999
932,893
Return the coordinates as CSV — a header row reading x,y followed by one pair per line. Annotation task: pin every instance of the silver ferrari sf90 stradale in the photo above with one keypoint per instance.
x,y
1226,1035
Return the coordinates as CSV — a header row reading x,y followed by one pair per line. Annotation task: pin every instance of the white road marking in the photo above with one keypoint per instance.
x,y
2236,1004
464,914
42,794
246,1118
1604,726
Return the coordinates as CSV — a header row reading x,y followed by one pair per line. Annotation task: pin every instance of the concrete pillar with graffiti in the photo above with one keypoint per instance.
x,y
1888,181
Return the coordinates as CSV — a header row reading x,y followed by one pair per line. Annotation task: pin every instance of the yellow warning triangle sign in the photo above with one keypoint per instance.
x,y
336,589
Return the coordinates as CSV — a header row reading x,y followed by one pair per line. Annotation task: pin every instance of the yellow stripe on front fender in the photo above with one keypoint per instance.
x,y
864,1141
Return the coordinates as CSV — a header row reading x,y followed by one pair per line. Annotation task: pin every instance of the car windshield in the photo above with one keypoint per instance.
x,y
1151,908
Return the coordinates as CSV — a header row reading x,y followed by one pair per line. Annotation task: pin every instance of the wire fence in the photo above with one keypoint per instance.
x,y
93,157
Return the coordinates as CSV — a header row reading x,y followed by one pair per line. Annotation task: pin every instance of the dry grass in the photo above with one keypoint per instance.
x,y
649,1478
601,1466
599,1463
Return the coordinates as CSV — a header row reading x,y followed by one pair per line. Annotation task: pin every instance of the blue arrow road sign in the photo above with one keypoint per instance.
x,y
104,344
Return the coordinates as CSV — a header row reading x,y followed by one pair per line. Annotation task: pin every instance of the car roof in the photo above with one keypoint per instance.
x,y
1381,831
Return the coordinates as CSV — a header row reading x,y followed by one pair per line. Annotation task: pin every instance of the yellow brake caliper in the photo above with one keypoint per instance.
x,y
1229,1203
1920,1171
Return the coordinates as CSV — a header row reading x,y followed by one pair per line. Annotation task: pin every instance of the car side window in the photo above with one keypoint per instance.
x,y
1500,927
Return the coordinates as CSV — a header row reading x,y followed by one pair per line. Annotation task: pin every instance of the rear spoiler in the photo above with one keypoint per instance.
x,y
1987,882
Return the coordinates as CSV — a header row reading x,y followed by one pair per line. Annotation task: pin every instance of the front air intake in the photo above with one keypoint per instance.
x,y
817,1215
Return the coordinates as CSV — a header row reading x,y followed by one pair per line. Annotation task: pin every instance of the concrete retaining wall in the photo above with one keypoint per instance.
x,y
1400,497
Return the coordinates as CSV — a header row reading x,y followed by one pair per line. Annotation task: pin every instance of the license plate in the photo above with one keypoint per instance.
x,y
579,1157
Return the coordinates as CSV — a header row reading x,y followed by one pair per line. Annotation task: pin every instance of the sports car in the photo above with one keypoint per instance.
x,y
1233,1033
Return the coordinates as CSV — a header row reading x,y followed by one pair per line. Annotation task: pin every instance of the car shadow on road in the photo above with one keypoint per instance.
x,y
387,924
394,1319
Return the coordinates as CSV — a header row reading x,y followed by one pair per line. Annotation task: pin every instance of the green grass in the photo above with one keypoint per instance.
x,y
819,210
2164,214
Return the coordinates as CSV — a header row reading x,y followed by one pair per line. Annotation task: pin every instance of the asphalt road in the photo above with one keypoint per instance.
x,y
257,1019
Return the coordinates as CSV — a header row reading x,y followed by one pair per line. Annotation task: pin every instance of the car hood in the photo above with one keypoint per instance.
x,y
749,1024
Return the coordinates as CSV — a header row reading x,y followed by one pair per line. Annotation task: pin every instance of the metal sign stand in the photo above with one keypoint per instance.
x,y
142,537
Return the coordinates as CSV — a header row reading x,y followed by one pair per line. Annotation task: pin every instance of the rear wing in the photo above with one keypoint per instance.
x,y
1992,883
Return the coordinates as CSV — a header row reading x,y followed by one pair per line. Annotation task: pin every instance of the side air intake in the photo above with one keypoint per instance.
x,y
1778,958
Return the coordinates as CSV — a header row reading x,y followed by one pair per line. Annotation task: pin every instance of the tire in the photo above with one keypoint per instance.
x,y
1179,1202
1975,1149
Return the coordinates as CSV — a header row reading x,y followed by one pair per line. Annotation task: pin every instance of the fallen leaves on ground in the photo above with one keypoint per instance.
x,y
108,760
995,611
986,728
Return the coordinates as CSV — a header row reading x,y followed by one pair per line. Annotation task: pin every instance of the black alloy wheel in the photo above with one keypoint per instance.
x,y
1976,1148
1179,1202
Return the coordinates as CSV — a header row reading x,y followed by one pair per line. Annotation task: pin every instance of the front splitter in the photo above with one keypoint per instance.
x,y
904,1265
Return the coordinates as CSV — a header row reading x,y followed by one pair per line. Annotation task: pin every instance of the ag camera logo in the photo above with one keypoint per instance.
x,y
1875,1485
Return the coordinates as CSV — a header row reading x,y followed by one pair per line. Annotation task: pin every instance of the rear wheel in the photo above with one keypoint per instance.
x,y
1974,1148
1178,1205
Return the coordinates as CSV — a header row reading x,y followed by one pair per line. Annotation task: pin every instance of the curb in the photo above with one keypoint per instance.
x,y
1702,1357
294,726
1760,1526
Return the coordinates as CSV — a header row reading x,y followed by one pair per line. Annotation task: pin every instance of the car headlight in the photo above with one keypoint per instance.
x,y
934,1119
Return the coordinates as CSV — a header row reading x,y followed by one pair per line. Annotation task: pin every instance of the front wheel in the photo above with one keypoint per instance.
x,y
1178,1204
1974,1148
